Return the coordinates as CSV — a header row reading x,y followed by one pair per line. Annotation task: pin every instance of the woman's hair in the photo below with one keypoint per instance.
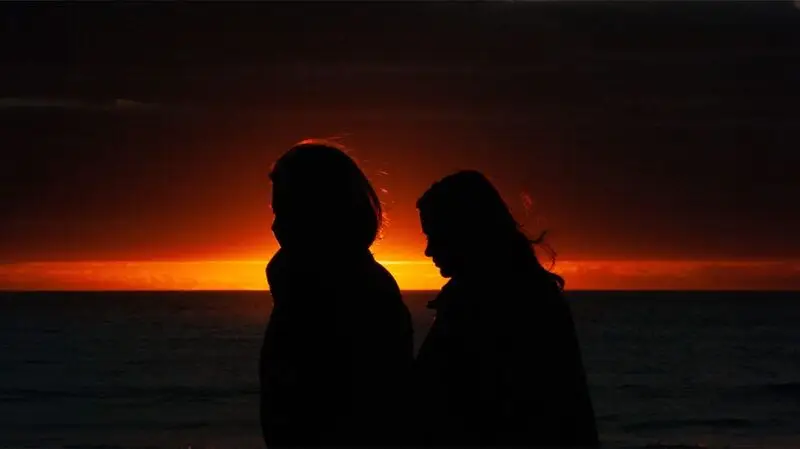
x,y
323,192
467,204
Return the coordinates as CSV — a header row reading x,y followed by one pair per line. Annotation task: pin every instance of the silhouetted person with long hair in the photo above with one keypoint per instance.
x,y
338,349
501,365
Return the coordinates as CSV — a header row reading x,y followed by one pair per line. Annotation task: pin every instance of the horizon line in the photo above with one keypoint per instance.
x,y
408,261
410,274
247,290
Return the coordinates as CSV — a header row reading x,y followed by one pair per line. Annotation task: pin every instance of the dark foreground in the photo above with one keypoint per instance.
x,y
173,370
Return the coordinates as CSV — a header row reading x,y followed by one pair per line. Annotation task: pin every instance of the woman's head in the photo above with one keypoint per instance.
x,y
470,229
322,199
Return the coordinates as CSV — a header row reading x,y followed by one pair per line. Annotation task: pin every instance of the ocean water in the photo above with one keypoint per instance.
x,y
179,370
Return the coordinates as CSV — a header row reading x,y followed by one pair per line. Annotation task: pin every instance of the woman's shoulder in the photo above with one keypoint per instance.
x,y
363,277
381,293
383,279
512,296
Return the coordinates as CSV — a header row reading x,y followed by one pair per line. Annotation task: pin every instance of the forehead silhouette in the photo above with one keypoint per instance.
x,y
314,163
467,198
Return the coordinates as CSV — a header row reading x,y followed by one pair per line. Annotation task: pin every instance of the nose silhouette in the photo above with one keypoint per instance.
x,y
428,250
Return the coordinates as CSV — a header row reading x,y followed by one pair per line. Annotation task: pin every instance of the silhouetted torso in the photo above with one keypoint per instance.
x,y
337,353
501,366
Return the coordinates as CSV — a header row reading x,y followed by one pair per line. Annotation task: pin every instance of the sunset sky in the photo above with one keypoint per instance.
x,y
660,143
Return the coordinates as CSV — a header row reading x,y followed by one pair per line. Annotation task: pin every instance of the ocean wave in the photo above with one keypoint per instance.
x,y
648,391
161,393
752,391
736,423
789,390
96,446
675,446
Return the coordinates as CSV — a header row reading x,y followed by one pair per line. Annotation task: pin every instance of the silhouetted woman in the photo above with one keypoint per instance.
x,y
338,348
501,365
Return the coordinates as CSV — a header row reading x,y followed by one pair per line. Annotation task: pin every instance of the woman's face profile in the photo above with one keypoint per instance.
x,y
276,223
440,247
282,221
293,217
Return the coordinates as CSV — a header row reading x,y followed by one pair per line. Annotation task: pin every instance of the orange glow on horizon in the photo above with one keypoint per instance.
x,y
410,275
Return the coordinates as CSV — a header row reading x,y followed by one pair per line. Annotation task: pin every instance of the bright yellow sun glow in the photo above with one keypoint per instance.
x,y
410,275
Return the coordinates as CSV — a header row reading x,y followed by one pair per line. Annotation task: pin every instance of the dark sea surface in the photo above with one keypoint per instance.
x,y
179,370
